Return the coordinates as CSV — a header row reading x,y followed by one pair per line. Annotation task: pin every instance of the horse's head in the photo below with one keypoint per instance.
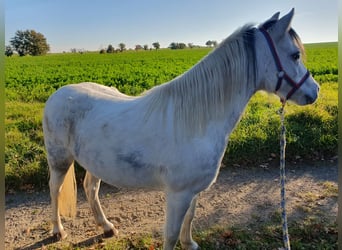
x,y
280,55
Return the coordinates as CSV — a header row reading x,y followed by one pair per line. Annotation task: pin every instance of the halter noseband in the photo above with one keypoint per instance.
x,y
281,72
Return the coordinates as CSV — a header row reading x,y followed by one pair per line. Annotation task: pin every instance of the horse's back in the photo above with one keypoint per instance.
x,y
72,103
102,91
75,99
94,90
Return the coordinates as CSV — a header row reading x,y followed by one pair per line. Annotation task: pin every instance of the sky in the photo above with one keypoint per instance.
x,y
93,25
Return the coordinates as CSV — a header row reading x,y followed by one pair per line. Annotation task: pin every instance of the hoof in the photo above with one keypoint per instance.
x,y
110,233
191,246
59,236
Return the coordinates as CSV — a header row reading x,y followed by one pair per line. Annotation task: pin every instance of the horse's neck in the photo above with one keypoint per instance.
x,y
234,112
210,96
235,106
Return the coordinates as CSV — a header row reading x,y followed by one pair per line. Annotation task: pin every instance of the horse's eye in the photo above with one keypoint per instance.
x,y
296,56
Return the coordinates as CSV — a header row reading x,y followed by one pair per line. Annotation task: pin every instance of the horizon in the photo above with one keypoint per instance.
x,y
161,48
89,26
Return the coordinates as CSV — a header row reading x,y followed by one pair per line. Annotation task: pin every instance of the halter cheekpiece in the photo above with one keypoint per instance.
x,y
281,72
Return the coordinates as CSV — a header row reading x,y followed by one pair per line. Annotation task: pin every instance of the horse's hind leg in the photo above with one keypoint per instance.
x,y
91,186
57,176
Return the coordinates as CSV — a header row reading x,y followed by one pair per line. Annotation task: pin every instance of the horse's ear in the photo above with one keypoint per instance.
x,y
284,24
270,22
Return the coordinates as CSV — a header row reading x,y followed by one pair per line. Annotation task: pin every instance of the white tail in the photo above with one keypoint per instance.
x,y
68,194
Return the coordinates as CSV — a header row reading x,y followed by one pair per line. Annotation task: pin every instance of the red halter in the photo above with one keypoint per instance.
x,y
281,72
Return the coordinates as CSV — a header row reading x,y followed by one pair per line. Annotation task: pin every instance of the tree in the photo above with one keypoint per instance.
x,y
138,47
110,49
122,46
21,42
8,51
181,45
209,43
145,47
156,45
174,45
29,42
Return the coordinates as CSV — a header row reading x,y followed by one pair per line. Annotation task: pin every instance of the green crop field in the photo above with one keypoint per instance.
x,y
312,130
35,78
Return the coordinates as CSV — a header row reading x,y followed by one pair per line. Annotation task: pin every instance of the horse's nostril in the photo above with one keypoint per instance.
x,y
309,99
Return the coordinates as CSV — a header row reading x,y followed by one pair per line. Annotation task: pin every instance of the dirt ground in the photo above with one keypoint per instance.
x,y
239,196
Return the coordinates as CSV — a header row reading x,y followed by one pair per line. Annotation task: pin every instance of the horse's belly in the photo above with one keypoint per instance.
x,y
123,172
134,178
133,181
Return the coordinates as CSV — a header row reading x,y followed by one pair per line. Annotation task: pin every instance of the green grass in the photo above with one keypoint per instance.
x,y
26,164
36,78
310,234
311,130
322,61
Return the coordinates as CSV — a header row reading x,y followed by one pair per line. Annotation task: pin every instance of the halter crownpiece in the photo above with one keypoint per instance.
x,y
281,72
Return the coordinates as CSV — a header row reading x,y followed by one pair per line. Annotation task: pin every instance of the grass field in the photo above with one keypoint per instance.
x,y
312,130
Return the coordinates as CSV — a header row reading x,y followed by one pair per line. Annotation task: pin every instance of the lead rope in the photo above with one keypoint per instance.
x,y
286,239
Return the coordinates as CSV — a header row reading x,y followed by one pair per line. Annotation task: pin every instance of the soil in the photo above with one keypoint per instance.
x,y
240,196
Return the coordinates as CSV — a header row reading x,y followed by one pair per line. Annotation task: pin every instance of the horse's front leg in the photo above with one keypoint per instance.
x,y
178,204
91,186
186,236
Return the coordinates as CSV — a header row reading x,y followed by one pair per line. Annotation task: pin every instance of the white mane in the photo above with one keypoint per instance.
x,y
202,93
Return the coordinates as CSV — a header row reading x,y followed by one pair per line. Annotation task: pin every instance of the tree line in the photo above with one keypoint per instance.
x,y
122,47
156,45
30,42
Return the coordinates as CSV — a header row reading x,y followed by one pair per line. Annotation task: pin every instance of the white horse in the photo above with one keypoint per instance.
x,y
172,137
